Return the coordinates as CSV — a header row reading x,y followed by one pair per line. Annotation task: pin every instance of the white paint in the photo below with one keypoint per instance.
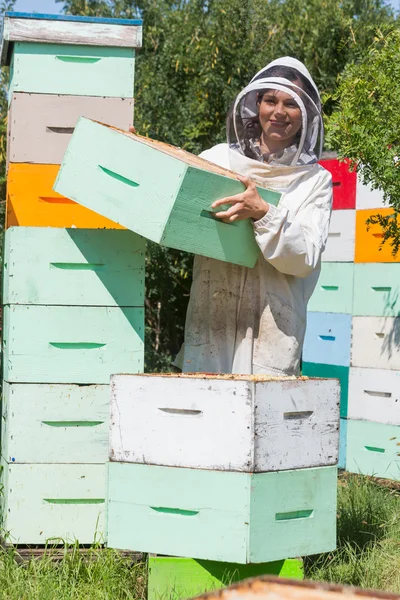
x,y
341,238
366,197
374,395
224,424
376,342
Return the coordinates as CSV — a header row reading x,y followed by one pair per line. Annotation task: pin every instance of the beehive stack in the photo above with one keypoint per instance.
x,y
238,469
73,281
353,331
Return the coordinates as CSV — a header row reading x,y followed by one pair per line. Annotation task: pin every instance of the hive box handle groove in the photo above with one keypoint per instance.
x,y
380,335
374,449
378,394
74,500
78,266
338,234
67,130
336,183
72,423
381,289
181,411
299,414
119,177
78,59
76,345
209,214
175,511
378,235
327,338
330,288
296,514
56,200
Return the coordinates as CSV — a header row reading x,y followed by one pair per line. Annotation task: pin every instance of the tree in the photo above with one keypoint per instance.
x,y
365,125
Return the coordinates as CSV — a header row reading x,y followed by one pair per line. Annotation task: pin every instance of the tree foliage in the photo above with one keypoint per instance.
x,y
196,55
365,126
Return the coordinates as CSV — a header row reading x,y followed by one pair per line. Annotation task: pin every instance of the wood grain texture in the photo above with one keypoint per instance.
x,y
88,32
341,236
72,70
366,197
328,372
44,502
178,578
204,423
376,342
327,339
44,139
73,267
377,289
374,395
74,344
373,449
160,192
224,516
71,422
334,290
368,243
32,202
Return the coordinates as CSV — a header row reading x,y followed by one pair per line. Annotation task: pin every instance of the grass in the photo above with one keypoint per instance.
x,y
368,556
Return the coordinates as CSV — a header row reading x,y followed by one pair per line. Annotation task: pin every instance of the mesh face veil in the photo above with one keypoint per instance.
x,y
243,126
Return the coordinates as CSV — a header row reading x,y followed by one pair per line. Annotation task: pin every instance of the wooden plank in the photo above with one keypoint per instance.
x,y
219,515
178,578
71,422
230,425
31,201
72,70
340,244
328,339
368,242
376,342
334,290
328,372
373,449
367,197
113,173
374,395
45,138
45,502
343,444
73,267
60,344
376,289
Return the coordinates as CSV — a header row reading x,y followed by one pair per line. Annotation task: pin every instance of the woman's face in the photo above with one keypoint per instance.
x,y
280,119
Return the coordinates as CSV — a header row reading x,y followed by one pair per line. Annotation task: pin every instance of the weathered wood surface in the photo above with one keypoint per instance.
x,y
327,372
228,425
73,267
60,344
44,423
156,190
373,449
341,236
219,515
31,201
334,290
377,290
54,501
376,342
89,32
44,138
368,243
374,395
177,578
72,70
343,443
328,339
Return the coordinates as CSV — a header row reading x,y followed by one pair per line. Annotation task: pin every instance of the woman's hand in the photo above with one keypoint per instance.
x,y
132,129
247,205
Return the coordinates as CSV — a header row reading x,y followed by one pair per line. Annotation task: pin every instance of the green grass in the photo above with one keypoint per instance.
x,y
368,556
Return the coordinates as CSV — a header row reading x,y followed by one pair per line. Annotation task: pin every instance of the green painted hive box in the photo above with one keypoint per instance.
x,y
158,191
221,515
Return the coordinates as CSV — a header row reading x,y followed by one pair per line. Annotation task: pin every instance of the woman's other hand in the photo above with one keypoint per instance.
x,y
132,129
246,205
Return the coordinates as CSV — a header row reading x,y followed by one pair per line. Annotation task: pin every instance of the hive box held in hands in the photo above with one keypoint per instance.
x,y
230,423
158,191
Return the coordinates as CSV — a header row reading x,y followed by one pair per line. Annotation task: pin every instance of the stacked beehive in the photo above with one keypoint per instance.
x,y
73,281
238,469
353,330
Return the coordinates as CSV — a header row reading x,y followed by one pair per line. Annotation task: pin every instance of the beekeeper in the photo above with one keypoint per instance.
x,y
253,320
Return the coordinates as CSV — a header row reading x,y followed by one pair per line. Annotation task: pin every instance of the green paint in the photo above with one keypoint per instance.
x,y
330,288
72,423
174,578
331,372
377,289
175,511
297,514
372,449
334,290
76,345
77,266
119,177
78,59
74,500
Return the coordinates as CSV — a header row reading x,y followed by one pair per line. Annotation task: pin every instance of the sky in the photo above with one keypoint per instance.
x,y
49,6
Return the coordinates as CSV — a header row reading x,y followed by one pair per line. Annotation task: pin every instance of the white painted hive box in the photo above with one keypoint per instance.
x,y
224,422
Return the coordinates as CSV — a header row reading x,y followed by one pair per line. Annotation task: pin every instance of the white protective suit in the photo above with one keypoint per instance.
x,y
242,320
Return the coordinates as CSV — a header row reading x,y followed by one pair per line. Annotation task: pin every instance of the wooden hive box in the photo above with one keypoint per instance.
x,y
340,244
374,395
377,289
344,183
158,191
334,290
375,342
369,248
327,371
226,423
328,339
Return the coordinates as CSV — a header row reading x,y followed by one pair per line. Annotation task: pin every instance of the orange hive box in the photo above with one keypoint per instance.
x,y
368,243
31,201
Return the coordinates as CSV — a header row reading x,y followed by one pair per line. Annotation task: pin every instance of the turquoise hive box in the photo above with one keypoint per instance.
x,y
156,190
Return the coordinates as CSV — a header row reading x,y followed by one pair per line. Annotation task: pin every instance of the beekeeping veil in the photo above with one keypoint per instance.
x,y
243,129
